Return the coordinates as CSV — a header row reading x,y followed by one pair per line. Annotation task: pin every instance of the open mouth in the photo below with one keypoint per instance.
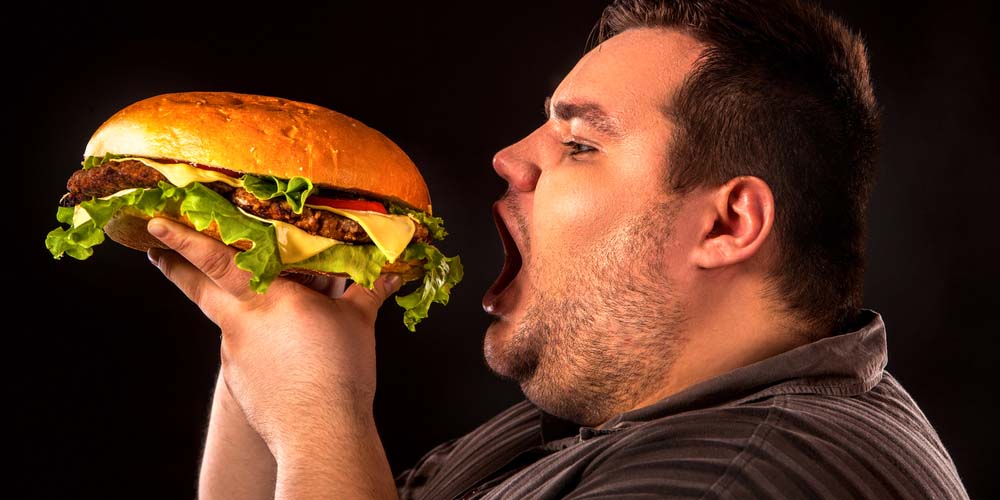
x,y
511,263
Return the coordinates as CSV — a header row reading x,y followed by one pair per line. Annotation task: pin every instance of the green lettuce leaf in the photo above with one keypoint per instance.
x,y
77,241
93,161
440,275
362,262
295,190
202,206
434,224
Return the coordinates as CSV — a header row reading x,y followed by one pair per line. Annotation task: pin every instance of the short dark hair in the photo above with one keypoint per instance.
x,y
782,92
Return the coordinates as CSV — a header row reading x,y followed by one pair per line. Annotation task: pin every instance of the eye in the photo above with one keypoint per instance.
x,y
575,148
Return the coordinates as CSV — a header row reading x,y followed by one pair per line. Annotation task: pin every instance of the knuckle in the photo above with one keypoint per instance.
x,y
369,308
216,265
178,240
166,266
195,291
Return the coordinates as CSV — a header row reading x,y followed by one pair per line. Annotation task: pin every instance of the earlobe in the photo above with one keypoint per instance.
x,y
738,218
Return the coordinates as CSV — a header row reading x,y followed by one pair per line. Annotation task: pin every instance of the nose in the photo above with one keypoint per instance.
x,y
515,165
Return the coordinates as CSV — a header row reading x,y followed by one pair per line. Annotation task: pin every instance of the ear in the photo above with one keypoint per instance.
x,y
737,221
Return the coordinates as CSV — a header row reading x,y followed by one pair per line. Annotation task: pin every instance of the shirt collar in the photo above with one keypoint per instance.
x,y
845,364
553,428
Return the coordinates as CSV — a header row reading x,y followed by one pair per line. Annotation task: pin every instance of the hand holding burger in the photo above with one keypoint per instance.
x,y
296,187
272,187
297,366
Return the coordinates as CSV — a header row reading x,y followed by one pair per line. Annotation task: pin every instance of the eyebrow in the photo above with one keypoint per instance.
x,y
590,112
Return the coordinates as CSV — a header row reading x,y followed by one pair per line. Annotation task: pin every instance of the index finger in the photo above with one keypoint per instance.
x,y
212,257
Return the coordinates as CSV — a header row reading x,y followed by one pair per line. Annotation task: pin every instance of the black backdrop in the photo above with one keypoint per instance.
x,y
112,368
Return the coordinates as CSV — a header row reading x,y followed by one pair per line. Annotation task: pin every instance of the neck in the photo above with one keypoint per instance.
x,y
732,325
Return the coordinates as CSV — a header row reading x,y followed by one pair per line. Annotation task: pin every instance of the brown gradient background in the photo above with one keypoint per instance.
x,y
112,369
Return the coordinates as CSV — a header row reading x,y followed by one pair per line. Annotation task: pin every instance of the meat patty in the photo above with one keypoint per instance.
x,y
113,177
108,179
320,222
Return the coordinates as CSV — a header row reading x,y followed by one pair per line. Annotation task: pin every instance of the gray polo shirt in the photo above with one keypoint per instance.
x,y
824,420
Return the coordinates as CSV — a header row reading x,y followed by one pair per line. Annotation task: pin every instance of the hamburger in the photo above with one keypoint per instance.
x,y
296,187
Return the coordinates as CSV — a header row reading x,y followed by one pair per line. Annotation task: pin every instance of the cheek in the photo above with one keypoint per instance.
x,y
578,206
571,211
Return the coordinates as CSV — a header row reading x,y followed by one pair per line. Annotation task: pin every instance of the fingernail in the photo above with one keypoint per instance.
x,y
391,283
154,255
157,228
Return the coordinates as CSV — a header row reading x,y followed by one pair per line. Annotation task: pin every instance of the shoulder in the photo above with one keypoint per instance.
x,y
451,464
518,423
796,445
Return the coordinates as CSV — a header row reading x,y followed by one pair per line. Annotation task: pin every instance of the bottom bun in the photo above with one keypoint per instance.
x,y
128,228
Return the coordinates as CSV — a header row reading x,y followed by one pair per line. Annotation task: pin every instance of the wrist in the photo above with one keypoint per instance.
x,y
314,433
344,460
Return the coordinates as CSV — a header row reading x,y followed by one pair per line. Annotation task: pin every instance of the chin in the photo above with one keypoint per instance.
x,y
503,350
509,352
495,343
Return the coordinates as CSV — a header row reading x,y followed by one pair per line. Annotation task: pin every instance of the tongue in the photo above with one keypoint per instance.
x,y
511,264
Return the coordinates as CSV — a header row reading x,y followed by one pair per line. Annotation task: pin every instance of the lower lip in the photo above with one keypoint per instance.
x,y
497,301
492,301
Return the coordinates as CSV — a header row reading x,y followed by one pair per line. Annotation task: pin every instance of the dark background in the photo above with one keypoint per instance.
x,y
112,369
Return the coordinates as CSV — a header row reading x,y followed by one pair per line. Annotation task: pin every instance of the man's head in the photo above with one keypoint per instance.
x,y
643,207
782,93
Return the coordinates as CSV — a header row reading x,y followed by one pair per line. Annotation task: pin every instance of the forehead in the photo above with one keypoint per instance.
x,y
639,69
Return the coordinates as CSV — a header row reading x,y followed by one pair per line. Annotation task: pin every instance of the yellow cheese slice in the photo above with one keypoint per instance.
x,y
296,245
81,216
390,233
182,174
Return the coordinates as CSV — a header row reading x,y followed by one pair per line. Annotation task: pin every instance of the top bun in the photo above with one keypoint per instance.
x,y
264,136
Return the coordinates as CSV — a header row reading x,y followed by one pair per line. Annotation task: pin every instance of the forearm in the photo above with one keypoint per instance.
x,y
236,461
288,357
344,459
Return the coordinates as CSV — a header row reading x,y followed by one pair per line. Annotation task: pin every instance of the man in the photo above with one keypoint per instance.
x,y
685,320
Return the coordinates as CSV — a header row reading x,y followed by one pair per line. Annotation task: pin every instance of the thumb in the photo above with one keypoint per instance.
x,y
369,300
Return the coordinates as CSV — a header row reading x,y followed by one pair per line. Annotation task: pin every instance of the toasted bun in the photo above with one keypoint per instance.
x,y
128,228
265,136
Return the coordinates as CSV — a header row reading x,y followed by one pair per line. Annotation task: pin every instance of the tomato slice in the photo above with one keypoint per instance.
x,y
371,206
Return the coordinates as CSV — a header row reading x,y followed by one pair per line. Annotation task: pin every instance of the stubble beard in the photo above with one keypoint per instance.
x,y
590,348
